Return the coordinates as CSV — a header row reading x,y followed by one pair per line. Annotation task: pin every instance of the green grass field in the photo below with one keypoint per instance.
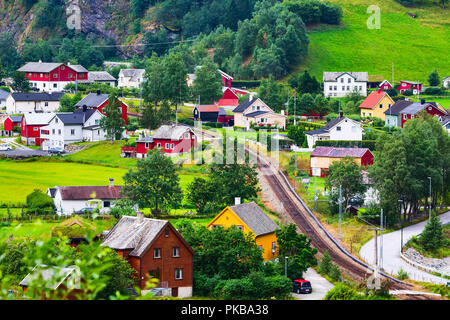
x,y
415,46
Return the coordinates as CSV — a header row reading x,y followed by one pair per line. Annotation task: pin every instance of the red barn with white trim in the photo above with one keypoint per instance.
x,y
31,127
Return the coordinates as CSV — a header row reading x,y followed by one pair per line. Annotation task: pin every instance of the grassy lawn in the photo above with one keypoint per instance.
x,y
20,178
415,46
42,230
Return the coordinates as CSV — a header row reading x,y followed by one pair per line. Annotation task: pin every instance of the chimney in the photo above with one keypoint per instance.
x,y
111,182
98,92
140,216
341,114
422,101
237,200
84,108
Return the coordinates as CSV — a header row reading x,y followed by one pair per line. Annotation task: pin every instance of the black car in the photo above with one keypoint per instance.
x,y
301,286
55,151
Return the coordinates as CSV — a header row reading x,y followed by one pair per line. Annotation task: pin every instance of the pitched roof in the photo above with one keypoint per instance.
x,y
398,106
255,218
332,76
444,120
244,104
170,132
77,117
416,107
100,76
93,100
411,82
4,94
77,67
89,192
333,152
255,114
16,119
375,78
372,99
328,126
133,74
38,118
52,276
225,75
208,108
39,66
137,234
37,96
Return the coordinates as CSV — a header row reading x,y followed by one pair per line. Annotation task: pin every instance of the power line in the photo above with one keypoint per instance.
x,y
131,45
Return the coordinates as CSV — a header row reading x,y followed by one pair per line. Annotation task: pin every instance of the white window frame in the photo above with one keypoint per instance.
x,y
178,274
157,253
175,252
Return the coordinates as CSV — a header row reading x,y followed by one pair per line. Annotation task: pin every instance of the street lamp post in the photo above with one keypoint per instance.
x,y
429,204
285,266
401,223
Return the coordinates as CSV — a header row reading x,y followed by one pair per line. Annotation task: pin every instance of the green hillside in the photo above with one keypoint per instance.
x,y
415,46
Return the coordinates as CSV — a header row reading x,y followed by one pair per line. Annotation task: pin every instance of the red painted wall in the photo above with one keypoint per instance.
x,y
407,86
62,74
367,159
122,106
9,125
433,112
183,145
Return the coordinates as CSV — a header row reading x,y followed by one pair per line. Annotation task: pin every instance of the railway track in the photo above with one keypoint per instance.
x,y
320,238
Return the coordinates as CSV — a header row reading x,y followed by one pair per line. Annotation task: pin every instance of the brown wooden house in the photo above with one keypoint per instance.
x,y
155,249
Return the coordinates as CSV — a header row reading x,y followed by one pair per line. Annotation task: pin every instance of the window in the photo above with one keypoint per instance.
x,y
157,253
166,233
53,131
343,88
404,117
240,228
56,120
41,75
167,145
178,274
70,75
63,67
176,252
72,132
172,146
331,88
338,128
158,144
97,121
360,88
274,247
349,80
186,135
59,131
35,129
257,108
342,80
106,204
55,75
353,128
381,106
348,88
364,114
253,108
146,145
46,103
55,85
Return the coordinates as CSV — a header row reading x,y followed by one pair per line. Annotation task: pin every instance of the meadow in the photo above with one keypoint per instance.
x,y
415,46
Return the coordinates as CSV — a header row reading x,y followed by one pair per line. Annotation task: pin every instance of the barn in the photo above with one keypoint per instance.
x,y
322,157
99,101
11,122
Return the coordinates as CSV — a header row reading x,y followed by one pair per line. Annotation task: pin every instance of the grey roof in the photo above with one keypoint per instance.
x,y
445,120
145,139
244,104
255,114
39,66
328,126
92,100
4,94
415,107
37,96
132,233
317,131
397,107
133,74
359,76
52,276
77,117
172,132
16,119
100,76
52,192
255,218
77,67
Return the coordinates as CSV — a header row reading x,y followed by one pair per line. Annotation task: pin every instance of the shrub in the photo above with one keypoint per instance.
x,y
38,201
433,90
335,273
408,92
343,292
326,263
402,274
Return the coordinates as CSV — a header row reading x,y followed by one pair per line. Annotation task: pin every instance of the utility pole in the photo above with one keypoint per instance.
x,y
429,203
295,105
401,222
285,266
381,239
375,248
340,212
296,169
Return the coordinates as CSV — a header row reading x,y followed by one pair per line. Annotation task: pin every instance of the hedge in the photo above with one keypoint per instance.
x,y
369,144
246,83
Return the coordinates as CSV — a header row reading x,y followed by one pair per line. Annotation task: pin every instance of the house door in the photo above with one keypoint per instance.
x,y
175,292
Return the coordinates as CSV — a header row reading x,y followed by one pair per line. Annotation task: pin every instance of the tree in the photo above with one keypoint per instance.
x,y
297,134
307,84
271,92
112,123
200,192
207,84
37,201
9,57
175,75
20,82
326,263
347,174
433,78
432,237
153,182
297,247
67,103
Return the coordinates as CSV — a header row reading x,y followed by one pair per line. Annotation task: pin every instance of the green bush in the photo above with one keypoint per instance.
x,y
343,292
402,274
39,201
326,263
433,91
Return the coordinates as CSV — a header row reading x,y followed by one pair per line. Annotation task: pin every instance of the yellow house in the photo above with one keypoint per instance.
x,y
250,219
376,104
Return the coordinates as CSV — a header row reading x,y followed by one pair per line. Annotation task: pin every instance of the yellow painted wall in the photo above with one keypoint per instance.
x,y
378,112
228,218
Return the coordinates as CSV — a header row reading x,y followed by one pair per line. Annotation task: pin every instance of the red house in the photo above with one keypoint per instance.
x,y
385,85
172,140
99,101
11,122
31,127
50,76
415,87
413,109
154,249
229,98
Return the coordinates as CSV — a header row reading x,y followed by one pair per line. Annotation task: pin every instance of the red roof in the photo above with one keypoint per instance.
x,y
208,108
372,99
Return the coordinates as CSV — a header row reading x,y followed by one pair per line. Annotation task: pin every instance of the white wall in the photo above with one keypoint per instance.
x,y
344,85
13,106
350,130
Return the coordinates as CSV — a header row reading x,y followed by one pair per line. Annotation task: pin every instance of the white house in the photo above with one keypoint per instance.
x,y
340,84
341,128
23,102
70,199
3,96
254,110
131,78
445,121
66,128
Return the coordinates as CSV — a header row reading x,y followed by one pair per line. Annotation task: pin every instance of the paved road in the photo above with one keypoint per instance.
x,y
20,150
392,262
319,284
